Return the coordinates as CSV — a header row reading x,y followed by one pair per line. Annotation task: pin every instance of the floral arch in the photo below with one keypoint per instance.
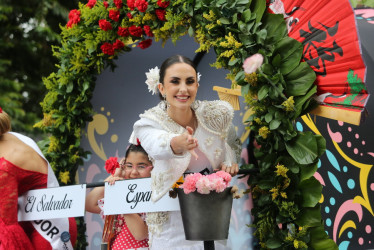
x,y
286,195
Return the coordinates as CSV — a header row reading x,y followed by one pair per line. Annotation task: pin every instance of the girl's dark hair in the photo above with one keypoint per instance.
x,y
135,148
171,61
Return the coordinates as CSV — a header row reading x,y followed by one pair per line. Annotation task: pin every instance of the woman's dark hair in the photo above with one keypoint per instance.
x,y
135,148
171,61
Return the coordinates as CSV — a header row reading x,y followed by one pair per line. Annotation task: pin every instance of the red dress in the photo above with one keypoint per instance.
x,y
14,181
124,238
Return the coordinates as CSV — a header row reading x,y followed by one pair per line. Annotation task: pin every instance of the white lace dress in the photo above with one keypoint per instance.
x,y
218,144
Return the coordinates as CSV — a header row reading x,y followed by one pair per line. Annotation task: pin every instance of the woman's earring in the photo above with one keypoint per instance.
x,y
195,105
164,104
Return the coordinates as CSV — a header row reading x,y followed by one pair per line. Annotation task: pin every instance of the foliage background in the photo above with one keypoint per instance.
x,y
28,29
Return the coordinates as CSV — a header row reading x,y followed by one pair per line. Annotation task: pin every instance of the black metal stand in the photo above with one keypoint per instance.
x,y
101,184
209,245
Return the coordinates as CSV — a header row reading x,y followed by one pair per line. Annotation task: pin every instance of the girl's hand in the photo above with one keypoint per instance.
x,y
117,176
232,170
185,142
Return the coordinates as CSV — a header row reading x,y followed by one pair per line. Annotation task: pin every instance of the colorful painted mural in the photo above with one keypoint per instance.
x,y
346,169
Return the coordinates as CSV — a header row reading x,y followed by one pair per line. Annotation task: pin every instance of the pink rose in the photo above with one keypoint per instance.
x,y
203,185
251,64
225,176
219,185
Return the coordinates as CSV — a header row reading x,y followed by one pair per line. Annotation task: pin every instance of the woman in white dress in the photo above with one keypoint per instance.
x,y
180,135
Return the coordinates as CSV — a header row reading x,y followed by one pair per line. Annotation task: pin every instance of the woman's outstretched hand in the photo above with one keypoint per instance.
x,y
185,142
232,170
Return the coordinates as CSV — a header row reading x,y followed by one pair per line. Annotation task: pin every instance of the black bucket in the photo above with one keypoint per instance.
x,y
206,217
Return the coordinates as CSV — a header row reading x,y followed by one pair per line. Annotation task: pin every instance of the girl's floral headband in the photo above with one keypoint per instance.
x,y
153,79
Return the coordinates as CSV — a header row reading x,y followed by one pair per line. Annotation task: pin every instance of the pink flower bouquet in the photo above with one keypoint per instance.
x,y
204,184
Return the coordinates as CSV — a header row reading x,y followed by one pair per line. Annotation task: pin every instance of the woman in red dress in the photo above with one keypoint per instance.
x,y
23,168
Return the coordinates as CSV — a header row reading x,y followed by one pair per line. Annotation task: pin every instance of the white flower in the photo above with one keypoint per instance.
x,y
251,64
153,79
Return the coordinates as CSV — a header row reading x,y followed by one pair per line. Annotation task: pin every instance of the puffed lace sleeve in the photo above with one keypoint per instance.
x,y
216,117
154,139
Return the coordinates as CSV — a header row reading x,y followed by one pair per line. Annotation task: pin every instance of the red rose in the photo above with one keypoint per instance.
x,y
162,3
131,4
106,4
1,110
91,3
145,44
114,15
136,31
107,48
74,18
105,25
118,44
123,31
111,165
129,15
161,14
148,31
142,5
118,3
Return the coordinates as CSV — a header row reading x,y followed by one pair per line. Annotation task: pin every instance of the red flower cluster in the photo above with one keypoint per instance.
x,y
111,165
91,3
145,44
74,18
123,31
142,5
148,31
131,4
106,4
136,31
114,15
109,48
163,4
104,25
161,14
118,3
129,15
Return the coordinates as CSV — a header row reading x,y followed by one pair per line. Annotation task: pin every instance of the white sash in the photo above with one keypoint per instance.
x,y
55,231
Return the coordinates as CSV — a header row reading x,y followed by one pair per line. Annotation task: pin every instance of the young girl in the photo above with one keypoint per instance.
x,y
131,230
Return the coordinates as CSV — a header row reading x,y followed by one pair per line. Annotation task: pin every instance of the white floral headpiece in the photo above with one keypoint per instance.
x,y
153,79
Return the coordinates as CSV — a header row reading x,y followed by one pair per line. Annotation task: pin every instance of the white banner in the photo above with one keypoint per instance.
x,y
134,196
49,203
